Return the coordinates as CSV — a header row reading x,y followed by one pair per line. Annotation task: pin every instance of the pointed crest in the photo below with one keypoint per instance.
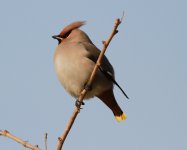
x,y
72,26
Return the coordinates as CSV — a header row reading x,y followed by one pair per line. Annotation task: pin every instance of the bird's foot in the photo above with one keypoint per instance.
x,y
78,104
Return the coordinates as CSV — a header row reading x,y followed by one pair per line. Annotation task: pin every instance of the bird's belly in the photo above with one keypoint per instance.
x,y
71,74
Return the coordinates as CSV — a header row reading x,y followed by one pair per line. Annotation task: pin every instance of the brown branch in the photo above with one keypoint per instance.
x,y
20,141
62,138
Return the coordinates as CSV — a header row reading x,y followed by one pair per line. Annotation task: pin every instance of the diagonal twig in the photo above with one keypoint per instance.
x,y
19,140
62,138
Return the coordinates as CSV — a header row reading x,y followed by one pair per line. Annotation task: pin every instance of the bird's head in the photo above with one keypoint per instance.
x,y
72,33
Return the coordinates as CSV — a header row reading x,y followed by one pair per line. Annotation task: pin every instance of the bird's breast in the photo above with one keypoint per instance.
x,y
72,68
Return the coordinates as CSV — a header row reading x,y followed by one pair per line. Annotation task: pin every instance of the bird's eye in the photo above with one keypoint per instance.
x,y
67,34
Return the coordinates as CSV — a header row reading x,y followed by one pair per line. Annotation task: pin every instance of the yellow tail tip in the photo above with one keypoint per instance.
x,y
120,118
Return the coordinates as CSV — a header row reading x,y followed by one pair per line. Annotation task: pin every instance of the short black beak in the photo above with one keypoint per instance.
x,y
55,36
58,37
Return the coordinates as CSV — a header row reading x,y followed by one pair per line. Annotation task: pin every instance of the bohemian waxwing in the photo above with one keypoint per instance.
x,y
74,60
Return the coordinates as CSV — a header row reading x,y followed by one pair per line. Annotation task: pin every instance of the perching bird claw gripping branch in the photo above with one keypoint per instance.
x,y
78,103
80,99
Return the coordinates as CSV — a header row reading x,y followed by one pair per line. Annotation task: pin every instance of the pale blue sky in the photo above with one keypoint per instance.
x,y
149,55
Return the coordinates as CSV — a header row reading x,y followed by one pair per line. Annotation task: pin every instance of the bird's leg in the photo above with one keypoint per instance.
x,y
87,87
77,102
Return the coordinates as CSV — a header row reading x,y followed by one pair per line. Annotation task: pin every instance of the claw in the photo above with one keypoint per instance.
x,y
78,104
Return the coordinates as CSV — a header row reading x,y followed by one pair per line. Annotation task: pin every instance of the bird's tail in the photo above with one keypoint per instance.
x,y
121,117
108,98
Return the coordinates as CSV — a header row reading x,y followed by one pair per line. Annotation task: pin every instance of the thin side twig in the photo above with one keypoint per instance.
x,y
62,138
19,140
45,140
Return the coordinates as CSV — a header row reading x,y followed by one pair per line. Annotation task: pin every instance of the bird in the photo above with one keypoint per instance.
x,y
74,59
